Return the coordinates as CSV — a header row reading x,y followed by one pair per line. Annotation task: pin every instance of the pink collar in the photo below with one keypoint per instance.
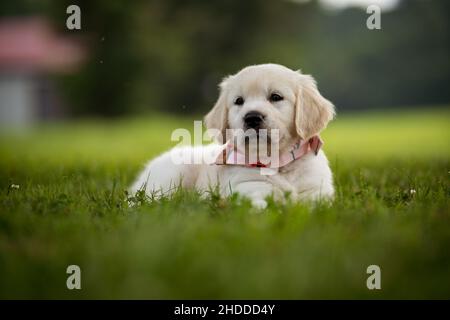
x,y
232,156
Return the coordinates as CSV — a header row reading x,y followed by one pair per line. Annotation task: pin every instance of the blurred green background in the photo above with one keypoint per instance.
x,y
169,55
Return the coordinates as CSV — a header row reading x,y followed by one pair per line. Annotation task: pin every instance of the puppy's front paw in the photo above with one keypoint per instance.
x,y
259,203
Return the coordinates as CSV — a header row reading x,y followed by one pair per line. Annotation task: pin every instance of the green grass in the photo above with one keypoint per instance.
x,y
71,209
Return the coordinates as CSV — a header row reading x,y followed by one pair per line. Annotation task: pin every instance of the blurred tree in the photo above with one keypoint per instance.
x,y
170,55
104,86
403,64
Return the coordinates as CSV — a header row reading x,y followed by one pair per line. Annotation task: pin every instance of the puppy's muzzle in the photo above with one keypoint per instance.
x,y
254,120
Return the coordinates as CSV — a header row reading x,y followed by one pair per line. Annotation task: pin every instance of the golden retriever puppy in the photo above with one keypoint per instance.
x,y
266,122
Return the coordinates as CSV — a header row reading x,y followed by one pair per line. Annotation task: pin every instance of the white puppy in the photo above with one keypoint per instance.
x,y
270,97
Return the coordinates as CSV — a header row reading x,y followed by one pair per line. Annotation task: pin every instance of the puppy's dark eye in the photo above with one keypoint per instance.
x,y
239,101
274,97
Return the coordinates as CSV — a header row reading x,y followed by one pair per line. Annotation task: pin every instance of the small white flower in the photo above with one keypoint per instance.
x,y
412,191
14,186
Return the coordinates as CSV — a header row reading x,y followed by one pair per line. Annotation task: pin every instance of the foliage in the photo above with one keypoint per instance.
x,y
169,55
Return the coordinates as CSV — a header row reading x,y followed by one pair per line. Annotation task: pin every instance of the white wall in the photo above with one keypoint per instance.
x,y
17,101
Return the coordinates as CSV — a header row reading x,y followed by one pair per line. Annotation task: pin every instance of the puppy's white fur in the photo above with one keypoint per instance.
x,y
302,113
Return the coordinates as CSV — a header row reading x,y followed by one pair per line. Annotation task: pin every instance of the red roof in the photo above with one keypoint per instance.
x,y
31,44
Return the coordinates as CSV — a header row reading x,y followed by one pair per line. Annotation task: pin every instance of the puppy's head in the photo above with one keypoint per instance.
x,y
270,96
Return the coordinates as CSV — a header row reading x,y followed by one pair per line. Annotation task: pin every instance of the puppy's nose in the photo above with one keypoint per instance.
x,y
253,119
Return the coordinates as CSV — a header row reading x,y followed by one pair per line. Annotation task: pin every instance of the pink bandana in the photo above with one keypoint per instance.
x,y
230,155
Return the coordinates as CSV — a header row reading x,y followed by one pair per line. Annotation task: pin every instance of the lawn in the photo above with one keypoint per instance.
x,y
62,202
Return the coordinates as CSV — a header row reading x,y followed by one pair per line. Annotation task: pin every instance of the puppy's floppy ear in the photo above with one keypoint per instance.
x,y
217,118
312,110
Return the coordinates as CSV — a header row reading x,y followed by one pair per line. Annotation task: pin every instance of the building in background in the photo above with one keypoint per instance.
x,y
30,52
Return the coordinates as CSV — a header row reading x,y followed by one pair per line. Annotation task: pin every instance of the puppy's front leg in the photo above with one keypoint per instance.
x,y
256,191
